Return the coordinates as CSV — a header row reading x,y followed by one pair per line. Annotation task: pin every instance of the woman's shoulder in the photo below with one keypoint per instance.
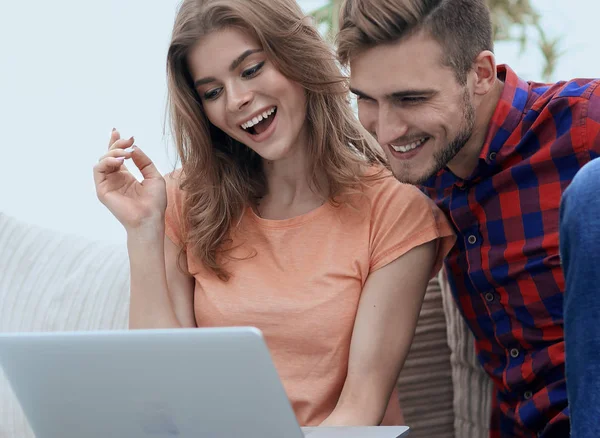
x,y
175,194
174,177
379,183
173,181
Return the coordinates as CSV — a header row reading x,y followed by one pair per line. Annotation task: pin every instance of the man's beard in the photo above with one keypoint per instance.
x,y
443,157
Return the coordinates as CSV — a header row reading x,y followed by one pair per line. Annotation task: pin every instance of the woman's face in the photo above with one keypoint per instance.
x,y
245,96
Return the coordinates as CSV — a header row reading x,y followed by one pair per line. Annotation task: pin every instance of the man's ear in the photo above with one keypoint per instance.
x,y
484,73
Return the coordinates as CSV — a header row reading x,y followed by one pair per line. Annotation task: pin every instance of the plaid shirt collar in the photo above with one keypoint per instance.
x,y
509,112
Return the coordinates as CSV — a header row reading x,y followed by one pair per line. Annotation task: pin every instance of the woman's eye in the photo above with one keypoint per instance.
x,y
212,94
252,71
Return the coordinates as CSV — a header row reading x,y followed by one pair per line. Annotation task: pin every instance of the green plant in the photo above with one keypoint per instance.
x,y
512,20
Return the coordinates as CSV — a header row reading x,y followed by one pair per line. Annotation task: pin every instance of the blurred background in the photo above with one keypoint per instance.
x,y
72,70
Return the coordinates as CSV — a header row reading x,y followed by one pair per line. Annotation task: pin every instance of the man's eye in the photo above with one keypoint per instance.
x,y
413,99
252,71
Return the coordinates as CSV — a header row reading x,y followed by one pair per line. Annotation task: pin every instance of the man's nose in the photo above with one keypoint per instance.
x,y
390,126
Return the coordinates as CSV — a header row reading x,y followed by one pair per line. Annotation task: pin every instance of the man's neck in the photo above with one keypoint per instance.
x,y
465,162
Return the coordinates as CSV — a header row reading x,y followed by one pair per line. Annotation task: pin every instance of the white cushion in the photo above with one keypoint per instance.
x,y
54,282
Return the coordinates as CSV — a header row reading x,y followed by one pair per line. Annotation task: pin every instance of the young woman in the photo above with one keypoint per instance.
x,y
283,216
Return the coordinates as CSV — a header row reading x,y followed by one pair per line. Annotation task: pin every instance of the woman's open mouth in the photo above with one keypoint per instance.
x,y
261,123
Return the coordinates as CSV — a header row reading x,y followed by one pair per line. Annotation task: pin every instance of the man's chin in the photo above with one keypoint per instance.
x,y
407,176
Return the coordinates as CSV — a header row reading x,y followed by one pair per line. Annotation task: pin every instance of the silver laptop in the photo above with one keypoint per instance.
x,y
185,383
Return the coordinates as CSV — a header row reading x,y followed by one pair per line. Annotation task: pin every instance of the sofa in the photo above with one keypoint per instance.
x,y
51,281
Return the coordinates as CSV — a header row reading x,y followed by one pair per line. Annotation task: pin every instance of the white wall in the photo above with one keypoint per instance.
x,y
71,70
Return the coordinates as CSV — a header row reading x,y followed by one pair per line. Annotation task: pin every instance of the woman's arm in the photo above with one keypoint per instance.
x,y
162,296
180,284
383,331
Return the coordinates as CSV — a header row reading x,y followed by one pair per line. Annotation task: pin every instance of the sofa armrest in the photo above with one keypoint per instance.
x,y
473,389
425,383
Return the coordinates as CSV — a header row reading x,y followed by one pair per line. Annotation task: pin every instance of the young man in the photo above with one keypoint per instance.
x,y
495,153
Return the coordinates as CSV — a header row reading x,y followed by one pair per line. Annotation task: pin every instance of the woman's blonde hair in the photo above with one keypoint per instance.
x,y
220,176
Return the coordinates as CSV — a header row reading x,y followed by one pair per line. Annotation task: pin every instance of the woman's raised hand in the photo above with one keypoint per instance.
x,y
135,204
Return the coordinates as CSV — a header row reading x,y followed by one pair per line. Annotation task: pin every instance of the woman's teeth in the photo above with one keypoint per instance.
x,y
410,146
250,123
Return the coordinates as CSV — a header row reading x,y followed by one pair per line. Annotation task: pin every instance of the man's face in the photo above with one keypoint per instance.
x,y
413,104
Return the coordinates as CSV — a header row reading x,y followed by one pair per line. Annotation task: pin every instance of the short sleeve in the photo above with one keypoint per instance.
x,y
173,213
402,218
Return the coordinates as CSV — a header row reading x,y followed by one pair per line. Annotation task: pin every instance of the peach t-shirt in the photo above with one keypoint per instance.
x,y
303,284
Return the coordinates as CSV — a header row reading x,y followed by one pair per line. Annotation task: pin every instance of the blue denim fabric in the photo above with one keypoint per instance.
x,y
580,254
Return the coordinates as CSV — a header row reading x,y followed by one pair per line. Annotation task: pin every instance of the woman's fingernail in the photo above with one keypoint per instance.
x,y
121,159
114,129
132,139
129,150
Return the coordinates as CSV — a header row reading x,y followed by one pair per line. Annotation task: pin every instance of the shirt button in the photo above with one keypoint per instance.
x,y
492,156
514,353
489,297
472,239
527,395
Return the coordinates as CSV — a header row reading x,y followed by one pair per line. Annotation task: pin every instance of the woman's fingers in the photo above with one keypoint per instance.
x,y
118,153
119,143
140,159
114,136
114,158
144,164
105,167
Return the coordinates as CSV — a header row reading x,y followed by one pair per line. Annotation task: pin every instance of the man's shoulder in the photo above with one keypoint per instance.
x,y
568,106
571,92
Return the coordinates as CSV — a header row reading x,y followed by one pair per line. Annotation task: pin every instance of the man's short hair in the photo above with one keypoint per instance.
x,y
462,27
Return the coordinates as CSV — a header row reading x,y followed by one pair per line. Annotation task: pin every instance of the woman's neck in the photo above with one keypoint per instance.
x,y
290,189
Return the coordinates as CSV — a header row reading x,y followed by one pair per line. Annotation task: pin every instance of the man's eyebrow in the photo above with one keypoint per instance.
x,y
236,62
397,94
409,93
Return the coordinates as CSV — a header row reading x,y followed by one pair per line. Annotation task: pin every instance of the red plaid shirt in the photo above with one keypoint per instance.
x,y
505,270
